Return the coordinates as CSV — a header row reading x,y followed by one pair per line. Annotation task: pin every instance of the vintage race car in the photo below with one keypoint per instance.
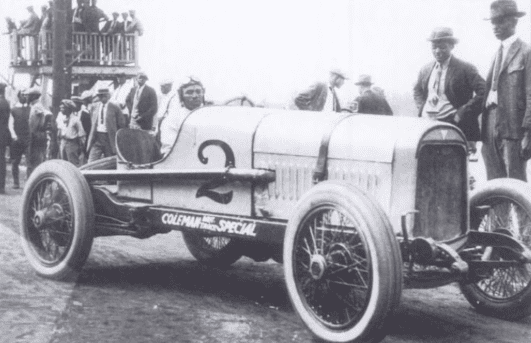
x,y
356,207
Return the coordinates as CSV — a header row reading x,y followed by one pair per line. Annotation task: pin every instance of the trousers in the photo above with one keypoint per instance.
x,y
501,155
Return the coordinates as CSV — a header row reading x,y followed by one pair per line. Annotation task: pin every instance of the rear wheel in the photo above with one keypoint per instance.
x,y
504,292
342,264
215,251
57,220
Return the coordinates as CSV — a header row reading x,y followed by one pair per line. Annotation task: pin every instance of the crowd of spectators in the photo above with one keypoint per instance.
x,y
86,17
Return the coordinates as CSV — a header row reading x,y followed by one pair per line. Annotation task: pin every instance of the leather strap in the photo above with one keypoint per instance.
x,y
320,171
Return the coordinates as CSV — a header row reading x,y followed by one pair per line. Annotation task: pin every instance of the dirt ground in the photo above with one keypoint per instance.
x,y
153,291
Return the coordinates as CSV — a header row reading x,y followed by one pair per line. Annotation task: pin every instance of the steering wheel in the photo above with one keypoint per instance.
x,y
239,101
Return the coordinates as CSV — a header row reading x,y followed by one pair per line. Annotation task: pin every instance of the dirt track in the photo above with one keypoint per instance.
x,y
153,291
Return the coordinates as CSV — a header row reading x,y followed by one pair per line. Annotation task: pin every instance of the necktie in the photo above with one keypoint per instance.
x,y
101,113
497,68
335,104
437,81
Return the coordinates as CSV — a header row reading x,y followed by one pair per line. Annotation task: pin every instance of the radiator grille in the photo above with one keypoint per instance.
x,y
441,196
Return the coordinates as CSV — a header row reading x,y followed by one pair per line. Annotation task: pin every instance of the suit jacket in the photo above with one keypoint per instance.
x,y
372,103
4,119
113,122
514,93
314,98
147,106
464,88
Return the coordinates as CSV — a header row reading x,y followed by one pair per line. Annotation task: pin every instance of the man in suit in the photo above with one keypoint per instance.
x,y
107,119
369,101
450,90
142,104
506,125
321,96
20,133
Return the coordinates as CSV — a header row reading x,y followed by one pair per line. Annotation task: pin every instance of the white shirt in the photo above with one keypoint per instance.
x,y
492,98
329,104
166,103
169,128
100,125
119,95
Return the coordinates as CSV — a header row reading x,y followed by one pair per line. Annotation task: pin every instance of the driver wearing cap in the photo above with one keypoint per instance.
x,y
192,96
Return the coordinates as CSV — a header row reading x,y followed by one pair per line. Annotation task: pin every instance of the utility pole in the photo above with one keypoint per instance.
x,y
62,47
61,74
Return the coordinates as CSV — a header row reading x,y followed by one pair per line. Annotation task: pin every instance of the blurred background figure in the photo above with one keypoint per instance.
x,y
4,135
370,101
70,133
321,96
19,128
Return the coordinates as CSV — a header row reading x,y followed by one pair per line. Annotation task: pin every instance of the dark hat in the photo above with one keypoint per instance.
x,y
504,8
442,34
364,80
115,13
68,104
103,91
339,72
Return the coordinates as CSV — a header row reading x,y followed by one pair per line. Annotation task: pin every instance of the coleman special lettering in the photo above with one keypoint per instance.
x,y
210,223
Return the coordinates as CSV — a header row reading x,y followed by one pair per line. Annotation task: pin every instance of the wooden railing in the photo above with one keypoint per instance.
x,y
87,49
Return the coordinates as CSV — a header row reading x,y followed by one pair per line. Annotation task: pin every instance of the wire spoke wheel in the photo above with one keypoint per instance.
x,y
503,292
509,217
332,267
50,225
57,220
342,264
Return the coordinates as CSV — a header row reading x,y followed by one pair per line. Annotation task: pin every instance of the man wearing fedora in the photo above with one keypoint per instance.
x,y
107,119
369,101
506,125
142,104
449,89
321,96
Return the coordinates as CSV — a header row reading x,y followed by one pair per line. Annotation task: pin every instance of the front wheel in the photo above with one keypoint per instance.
x,y
504,292
57,220
342,264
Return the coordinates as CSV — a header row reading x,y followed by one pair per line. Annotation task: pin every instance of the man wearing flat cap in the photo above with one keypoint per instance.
x,y
506,125
449,89
321,96
107,119
70,133
142,104
369,101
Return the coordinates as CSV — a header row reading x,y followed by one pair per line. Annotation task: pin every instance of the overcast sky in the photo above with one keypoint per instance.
x,y
269,49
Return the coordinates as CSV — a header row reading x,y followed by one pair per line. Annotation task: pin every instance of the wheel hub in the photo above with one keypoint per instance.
x,y
38,219
317,266
54,212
